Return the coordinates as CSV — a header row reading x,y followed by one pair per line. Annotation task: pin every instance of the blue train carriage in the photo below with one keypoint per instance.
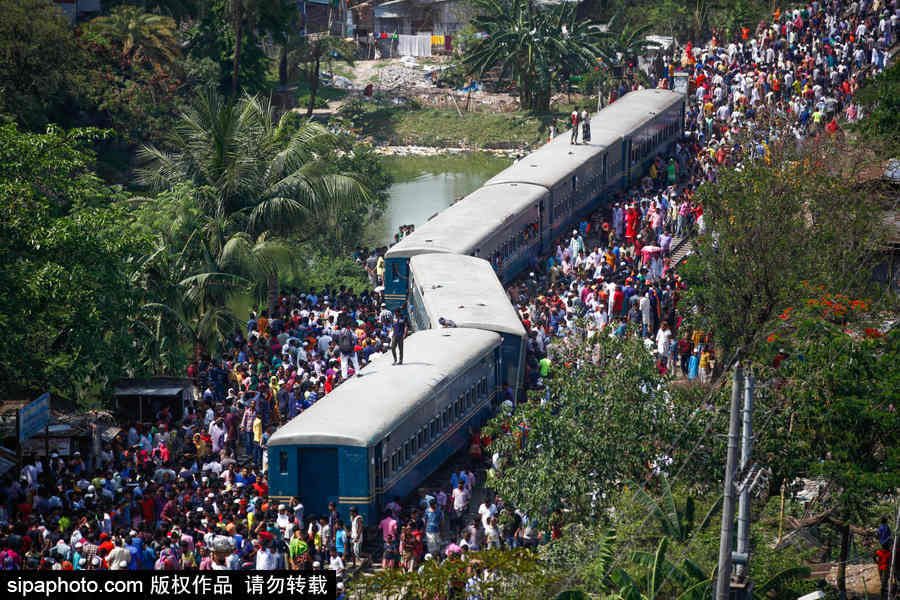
x,y
573,175
499,223
377,437
650,122
466,291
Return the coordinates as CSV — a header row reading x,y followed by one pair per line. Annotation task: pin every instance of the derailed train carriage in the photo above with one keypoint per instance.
x,y
377,437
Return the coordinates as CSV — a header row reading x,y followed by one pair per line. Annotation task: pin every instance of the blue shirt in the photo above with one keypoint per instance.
x,y
884,534
340,539
432,521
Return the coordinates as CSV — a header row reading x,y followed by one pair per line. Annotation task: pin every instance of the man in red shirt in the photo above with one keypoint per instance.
x,y
618,300
883,558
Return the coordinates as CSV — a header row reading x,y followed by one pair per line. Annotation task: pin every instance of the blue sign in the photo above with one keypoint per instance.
x,y
34,417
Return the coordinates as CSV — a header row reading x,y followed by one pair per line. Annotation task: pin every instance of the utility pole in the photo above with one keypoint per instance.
x,y
894,554
741,558
724,576
743,536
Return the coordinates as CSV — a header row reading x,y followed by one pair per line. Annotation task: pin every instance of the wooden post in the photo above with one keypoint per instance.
x,y
781,512
459,112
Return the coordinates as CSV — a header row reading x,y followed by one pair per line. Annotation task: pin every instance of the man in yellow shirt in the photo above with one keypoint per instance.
x,y
257,440
379,270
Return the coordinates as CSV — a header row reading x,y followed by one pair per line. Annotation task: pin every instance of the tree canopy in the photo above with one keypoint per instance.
x,y
532,44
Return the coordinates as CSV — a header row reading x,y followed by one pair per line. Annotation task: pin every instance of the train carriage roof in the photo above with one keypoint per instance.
x,y
363,410
465,290
463,227
553,162
635,109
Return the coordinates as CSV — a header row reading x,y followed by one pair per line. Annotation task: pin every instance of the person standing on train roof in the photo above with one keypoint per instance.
x,y
347,345
575,119
585,126
400,329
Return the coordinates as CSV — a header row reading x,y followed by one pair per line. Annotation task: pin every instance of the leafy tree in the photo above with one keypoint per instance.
x,y
605,422
246,16
38,55
498,574
140,35
627,42
841,383
234,30
880,100
67,301
311,52
180,10
774,226
532,44
267,186
689,577
675,523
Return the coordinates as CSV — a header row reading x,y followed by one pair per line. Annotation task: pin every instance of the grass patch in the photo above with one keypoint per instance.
x,y
406,125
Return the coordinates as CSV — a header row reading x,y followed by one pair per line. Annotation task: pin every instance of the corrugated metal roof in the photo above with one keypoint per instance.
x,y
394,9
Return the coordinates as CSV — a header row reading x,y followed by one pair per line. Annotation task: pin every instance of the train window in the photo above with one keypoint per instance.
x,y
470,398
406,452
420,437
457,413
446,417
282,462
413,445
394,461
574,182
384,472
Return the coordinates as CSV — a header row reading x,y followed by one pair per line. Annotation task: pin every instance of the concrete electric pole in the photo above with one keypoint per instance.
x,y
724,576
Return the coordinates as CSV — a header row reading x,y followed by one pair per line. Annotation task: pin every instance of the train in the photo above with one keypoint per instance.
x,y
378,436
375,438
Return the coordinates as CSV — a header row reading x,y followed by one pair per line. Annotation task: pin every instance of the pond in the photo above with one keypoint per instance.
x,y
425,185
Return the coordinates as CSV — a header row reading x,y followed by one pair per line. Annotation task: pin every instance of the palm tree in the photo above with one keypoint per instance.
x,y
689,577
626,43
245,14
677,524
267,185
140,35
531,44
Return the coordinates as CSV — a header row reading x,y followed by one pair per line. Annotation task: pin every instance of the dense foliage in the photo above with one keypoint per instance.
x,y
818,236
532,44
67,300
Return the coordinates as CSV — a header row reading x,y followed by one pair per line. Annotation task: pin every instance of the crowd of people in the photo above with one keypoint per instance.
x,y
192,493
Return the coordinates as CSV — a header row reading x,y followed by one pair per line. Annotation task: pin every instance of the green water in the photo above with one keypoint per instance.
x,y
425,185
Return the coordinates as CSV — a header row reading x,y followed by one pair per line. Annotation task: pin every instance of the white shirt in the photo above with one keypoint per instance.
x,y
486,513
662,340
336,564
460,498
265,560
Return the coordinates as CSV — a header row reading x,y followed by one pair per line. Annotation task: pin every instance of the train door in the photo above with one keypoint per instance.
x,y
542,230
318,483
396,281
380,469
626,158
